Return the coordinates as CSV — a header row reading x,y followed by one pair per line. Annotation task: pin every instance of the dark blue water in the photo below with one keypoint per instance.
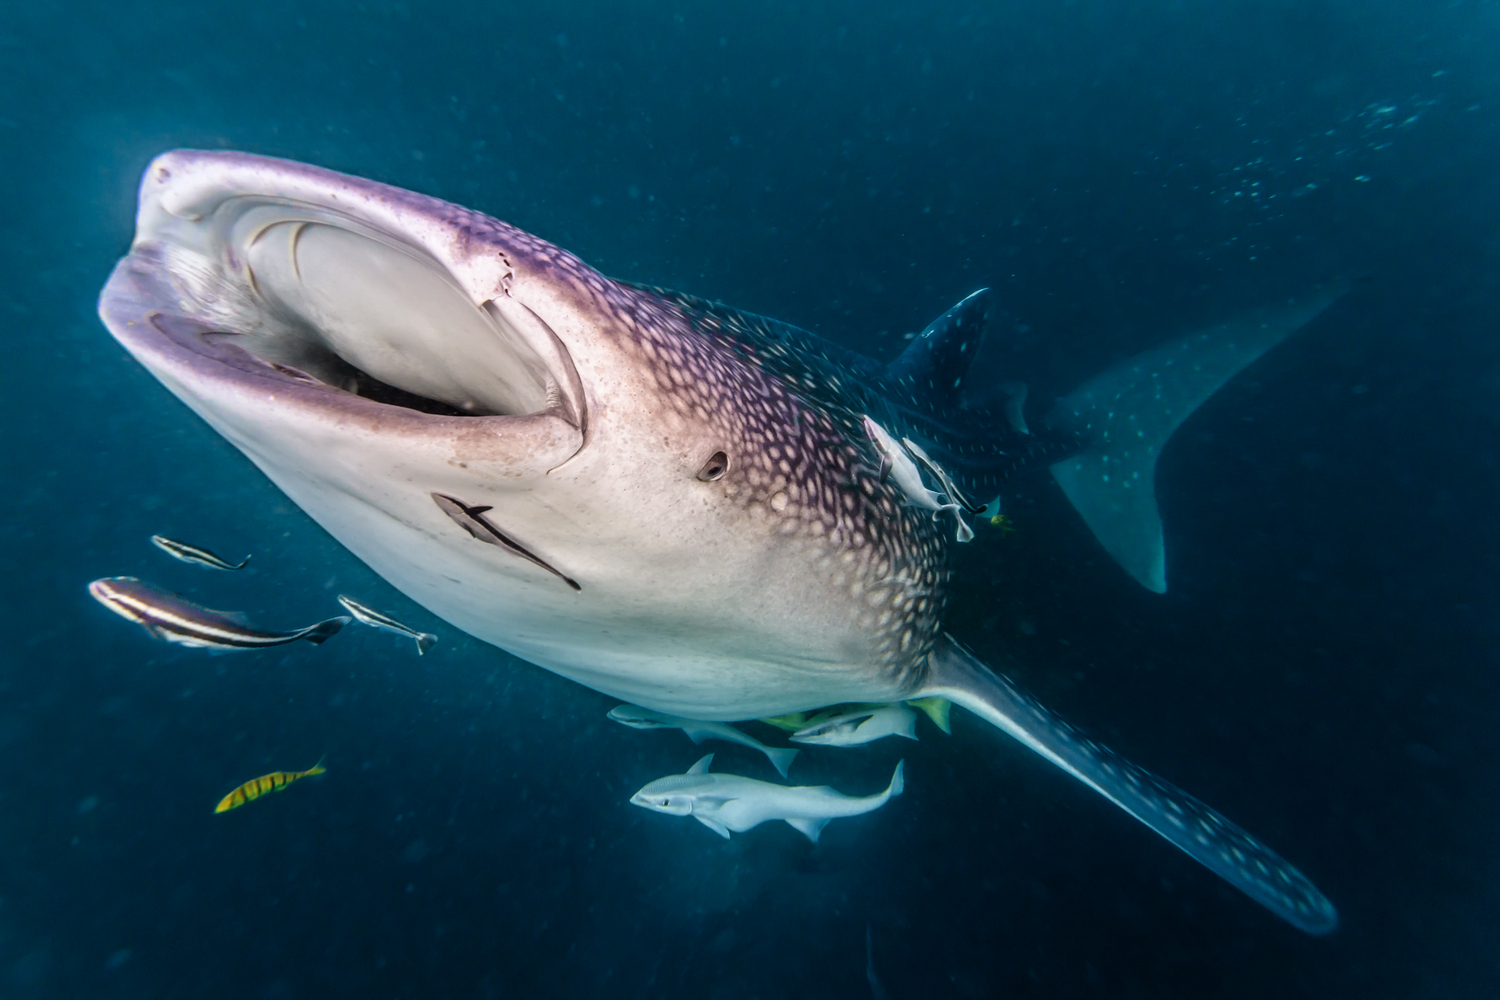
x,y
1323,670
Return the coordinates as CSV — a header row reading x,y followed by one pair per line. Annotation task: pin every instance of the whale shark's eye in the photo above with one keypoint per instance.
x,y
715,467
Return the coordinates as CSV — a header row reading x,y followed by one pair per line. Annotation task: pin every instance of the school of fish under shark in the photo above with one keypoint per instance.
x,y
710,515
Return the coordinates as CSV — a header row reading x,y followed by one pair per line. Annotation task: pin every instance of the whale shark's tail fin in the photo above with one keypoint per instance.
x,y
1127,414
1243,861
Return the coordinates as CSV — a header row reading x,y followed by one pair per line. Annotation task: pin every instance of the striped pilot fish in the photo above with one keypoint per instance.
x,y
366,615
167,616
193,554
265,784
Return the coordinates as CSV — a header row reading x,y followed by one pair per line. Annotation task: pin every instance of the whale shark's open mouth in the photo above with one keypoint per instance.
x,y
359,311
331,292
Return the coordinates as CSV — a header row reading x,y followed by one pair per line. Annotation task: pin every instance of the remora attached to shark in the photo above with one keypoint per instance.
x,y
688,511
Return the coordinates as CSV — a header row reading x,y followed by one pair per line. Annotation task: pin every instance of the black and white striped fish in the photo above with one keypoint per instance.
x,y
367,615
193,554
175,619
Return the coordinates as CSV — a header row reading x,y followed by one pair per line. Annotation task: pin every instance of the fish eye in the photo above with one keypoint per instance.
x,y
714,468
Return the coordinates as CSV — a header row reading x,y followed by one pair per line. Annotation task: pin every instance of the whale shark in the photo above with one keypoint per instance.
x,y
671,501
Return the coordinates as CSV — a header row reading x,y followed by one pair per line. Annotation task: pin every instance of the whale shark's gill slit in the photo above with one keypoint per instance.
x,y
471,519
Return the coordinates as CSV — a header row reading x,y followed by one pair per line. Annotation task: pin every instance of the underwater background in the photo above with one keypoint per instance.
x,y
1323,669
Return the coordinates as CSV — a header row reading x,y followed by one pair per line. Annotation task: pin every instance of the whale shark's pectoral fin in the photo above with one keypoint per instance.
x,y
713,825
1127,414
1247,864
810,828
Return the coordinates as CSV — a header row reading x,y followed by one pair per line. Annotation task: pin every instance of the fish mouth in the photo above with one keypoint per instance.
x,y
318,281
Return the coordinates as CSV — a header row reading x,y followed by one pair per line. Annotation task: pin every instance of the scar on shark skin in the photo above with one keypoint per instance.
x,y
472,520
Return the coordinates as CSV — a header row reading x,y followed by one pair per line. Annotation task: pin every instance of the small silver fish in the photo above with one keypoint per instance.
x,y
175,619
366,615
697,730
193,554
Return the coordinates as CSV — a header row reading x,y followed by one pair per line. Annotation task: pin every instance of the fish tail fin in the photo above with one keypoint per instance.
x,y
323,631
898,781
1207,837
809,828
781,759
425,641
908,725
242,564
936,709
1126,415
318,768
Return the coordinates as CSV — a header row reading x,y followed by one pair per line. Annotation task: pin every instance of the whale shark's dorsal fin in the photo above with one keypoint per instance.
x,y
938,359
702,766
1127,414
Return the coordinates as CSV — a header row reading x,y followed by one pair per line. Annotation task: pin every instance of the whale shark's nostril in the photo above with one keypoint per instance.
x,y
714,468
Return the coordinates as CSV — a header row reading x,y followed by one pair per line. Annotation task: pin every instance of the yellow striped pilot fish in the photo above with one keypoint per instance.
x,y
266,783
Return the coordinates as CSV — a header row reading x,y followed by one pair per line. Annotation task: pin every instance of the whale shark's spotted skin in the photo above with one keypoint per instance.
x,y
799,460
978,447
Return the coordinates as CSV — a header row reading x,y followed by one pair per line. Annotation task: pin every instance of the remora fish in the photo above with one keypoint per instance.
x,y
366,615
859,726
896,461
703,473
697,730
256,787
724,802
193,554
176,619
